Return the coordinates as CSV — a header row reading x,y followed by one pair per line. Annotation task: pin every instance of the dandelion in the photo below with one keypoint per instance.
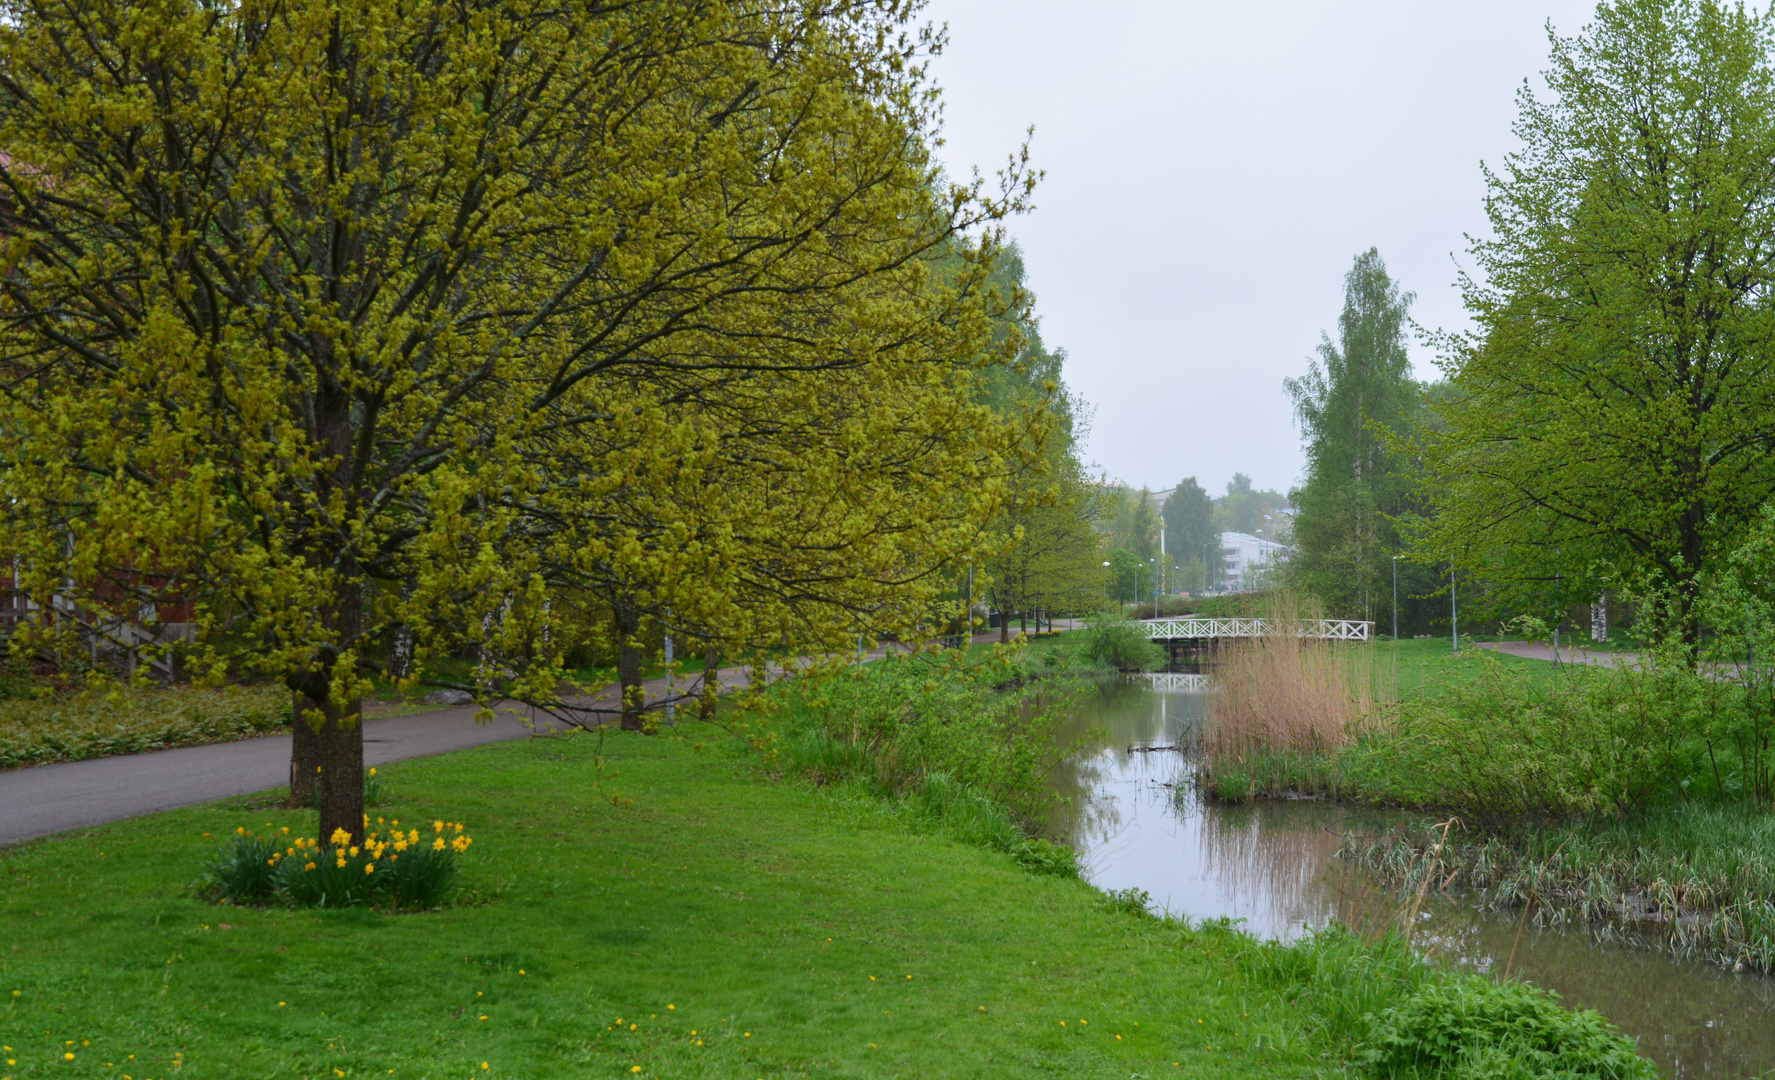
x,y
637,1068
671,1006
280,1004
68,1056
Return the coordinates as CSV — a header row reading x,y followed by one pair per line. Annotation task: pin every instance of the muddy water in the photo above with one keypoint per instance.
x,y
1136,823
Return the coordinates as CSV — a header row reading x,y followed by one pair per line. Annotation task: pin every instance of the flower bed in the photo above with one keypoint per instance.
x,y
391,868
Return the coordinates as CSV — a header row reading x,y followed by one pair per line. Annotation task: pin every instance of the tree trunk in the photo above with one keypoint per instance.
x,y
401,642
628,667
711,681
341,777
1004,627
304,753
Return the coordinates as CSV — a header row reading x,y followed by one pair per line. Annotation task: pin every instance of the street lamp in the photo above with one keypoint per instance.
x,y
1395,599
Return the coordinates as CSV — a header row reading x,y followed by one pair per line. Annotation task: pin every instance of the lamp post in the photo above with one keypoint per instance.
x,y
1395,599
1454,608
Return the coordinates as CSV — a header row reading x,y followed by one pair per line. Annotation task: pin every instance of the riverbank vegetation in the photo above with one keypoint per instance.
x,y
712,923
1587,793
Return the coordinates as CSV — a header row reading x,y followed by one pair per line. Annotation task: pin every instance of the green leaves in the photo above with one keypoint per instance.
x,y
1613,410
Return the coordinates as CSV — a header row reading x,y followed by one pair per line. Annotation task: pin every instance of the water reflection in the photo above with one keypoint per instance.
x,y
1136,823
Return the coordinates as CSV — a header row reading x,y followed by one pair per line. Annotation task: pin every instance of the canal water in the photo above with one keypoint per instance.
x,y
1136,822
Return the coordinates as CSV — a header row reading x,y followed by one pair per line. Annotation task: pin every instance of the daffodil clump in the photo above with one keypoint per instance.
x,y
411,868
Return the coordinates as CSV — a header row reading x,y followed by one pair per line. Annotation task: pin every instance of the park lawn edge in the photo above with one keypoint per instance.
x,y
703,903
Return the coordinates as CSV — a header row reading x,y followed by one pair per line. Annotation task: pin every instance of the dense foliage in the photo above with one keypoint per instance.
x,y
1613,413
1351,404
983,721
487,327
102,721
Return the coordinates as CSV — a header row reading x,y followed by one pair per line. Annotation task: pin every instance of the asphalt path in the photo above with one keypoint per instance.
x,y
79,794
68,795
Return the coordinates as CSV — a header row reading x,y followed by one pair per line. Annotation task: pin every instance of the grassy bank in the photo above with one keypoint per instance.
x,y
713,924
1631,801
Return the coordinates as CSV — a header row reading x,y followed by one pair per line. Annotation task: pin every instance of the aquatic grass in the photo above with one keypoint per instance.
x,y
1382,1006
1470,1026
1694,879
989,721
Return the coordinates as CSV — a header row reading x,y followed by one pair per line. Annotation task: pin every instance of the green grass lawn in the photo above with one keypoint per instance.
x,y
721,926
1428,666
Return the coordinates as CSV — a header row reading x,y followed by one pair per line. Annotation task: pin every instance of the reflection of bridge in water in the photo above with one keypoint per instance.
x,y
1186,639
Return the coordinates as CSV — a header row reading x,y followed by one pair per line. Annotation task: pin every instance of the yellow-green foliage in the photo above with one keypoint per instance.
x,y
96,723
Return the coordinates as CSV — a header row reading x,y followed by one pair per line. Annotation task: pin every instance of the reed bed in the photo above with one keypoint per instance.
x,y
1286,704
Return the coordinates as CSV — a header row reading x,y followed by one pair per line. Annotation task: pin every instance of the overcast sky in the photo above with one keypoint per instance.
x,y
1212,169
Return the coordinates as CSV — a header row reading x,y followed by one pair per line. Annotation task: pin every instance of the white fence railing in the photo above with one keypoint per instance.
x,y
1174,680
1324,629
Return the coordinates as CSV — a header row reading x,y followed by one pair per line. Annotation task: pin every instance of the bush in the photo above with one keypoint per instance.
x,y
1112,641
1503,750
1473,1027
400,869
899,720
130,720
1397,1016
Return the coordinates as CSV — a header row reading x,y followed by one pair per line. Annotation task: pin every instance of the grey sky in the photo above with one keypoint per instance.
x,y
1212,168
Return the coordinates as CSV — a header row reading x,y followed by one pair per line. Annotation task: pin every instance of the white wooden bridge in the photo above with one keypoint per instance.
x,y
1202,629
1173,680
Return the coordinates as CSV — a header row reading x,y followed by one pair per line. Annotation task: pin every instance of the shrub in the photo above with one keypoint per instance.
x,y
1113,641
1503,750
401,869
98,722
1473,1027
894,722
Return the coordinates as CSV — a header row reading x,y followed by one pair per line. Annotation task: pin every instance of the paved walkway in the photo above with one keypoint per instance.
x,y
79,794
1568,654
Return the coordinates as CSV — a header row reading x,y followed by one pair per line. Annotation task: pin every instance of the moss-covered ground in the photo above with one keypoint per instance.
x,y
722,925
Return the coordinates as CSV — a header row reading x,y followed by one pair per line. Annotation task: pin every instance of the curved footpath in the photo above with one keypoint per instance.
x,y
49,799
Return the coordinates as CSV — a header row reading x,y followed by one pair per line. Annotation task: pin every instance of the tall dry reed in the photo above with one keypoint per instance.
x,y
1289,692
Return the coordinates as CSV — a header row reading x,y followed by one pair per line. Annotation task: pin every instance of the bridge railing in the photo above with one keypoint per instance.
x,y
1202,628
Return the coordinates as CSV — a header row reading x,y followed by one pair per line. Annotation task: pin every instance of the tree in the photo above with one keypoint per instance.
x,y
1613,414
336,317
1357,396
1190,534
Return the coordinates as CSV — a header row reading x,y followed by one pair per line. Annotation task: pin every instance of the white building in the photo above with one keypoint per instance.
x,y
1245,559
